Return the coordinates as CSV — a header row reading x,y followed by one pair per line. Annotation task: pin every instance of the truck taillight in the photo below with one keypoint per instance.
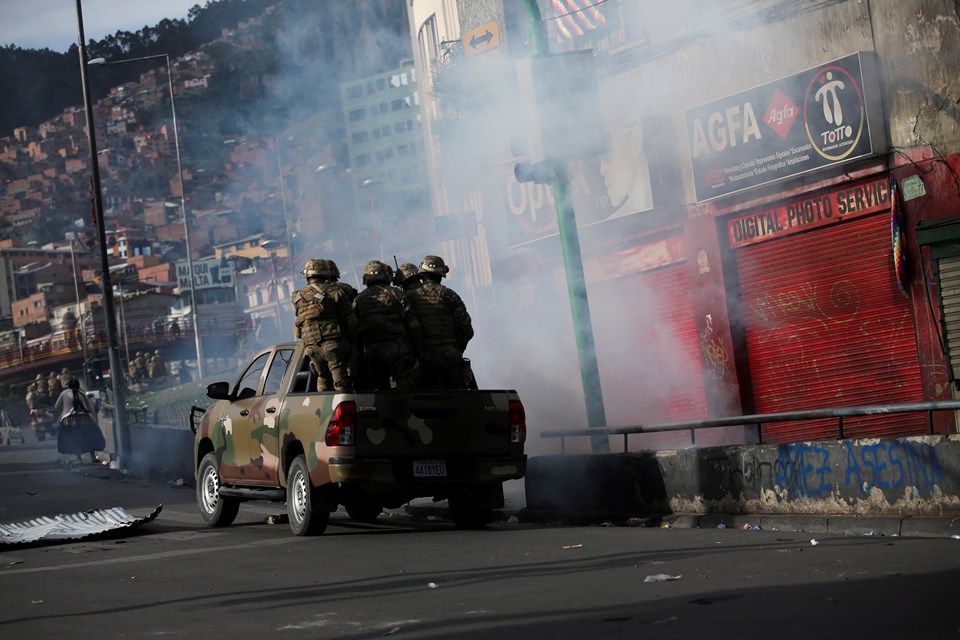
x,y
518,423
342,425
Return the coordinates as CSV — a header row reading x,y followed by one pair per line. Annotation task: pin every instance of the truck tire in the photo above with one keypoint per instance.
x,y
215,510
305,507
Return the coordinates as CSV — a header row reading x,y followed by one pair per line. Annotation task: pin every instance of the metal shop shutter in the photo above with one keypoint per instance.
x,y
647,348
826,326
948,270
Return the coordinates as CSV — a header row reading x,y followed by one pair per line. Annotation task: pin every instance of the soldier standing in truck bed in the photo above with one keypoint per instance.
x,y
446,327
326,323
389,330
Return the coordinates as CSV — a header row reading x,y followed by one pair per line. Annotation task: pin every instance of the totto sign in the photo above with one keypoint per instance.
x,y
805,122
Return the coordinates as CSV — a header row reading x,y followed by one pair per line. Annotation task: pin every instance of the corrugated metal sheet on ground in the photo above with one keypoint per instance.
x,y
74,526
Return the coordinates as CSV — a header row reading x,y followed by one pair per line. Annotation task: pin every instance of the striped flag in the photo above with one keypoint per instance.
x,y
896,228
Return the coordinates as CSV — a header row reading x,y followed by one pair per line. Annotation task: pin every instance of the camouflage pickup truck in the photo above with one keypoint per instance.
x,y
270,436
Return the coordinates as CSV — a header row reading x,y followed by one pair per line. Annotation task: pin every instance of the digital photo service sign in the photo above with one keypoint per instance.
x,y
822,117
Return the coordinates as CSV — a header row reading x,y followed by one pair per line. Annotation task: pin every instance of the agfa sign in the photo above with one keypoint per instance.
x,y
818,118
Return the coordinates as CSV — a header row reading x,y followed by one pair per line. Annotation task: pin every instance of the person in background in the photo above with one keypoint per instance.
x,y
446,327
79,432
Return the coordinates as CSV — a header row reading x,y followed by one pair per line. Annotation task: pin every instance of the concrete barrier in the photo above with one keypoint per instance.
x,y
160,452
911,476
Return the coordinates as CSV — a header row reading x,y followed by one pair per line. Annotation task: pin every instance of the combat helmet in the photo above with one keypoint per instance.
x,y
333,270
376,272
405,273
316,268
435,265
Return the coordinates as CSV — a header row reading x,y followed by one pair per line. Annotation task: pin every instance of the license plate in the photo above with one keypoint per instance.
x,y
429,469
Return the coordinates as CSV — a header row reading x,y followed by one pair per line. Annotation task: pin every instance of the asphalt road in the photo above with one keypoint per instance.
x,y
423,578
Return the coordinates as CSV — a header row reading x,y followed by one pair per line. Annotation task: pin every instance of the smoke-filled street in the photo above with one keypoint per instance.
x,y
422,578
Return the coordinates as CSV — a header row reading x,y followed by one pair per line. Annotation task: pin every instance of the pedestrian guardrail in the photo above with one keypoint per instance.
x,y
838,413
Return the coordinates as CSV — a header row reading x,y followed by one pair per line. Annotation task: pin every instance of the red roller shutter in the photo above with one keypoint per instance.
x,y
647,348
826,326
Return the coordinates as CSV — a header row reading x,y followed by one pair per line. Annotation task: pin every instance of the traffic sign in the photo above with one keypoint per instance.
x,y
481,39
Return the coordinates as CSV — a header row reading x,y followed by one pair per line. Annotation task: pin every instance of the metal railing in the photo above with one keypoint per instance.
x,y
838,413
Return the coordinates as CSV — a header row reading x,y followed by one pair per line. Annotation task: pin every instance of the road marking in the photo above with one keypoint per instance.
x,y
256,545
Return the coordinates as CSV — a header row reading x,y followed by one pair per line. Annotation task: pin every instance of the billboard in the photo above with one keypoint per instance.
x,y
821,117
207,274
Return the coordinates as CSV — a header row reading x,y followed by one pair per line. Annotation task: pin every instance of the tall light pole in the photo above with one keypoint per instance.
x,y
83,333
183,198
271,246
116,375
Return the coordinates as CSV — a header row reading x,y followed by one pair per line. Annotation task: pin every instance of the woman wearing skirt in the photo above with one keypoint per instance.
x,y
79,432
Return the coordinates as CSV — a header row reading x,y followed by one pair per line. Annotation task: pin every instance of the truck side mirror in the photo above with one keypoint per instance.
x,y
219,391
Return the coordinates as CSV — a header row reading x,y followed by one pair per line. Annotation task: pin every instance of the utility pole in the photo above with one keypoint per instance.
x,y
573,266
119,398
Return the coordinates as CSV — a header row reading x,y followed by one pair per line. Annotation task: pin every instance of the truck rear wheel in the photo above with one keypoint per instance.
x,y
215,510
305,507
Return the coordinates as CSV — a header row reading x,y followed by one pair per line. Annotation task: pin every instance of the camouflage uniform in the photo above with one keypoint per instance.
x,y
37,393
140,363
327,325
389,331
156,366
446,327
353,367
53,386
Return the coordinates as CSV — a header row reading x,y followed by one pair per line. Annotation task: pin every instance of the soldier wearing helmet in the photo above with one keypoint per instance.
x,y
156,365
65,378
407,276
326,323
389,330
53,385
445,324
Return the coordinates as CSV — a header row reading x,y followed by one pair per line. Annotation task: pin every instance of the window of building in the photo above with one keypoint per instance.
x,y
402,150
381,84
362,160
376,133
358,136
385,130
388,153
399,127
371,88
354,91
356,115
398,104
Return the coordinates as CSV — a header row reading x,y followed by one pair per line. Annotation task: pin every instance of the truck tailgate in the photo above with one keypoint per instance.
x,y
433,423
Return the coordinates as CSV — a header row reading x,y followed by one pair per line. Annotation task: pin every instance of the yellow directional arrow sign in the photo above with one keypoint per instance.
x,y
481,39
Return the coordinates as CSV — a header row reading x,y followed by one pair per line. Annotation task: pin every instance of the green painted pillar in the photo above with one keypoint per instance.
x,y
573,268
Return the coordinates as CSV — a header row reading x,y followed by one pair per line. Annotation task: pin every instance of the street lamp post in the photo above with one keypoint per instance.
x,y
271,246
83,333
183,199
116,375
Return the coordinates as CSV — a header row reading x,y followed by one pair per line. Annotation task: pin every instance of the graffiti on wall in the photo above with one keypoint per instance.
x,y
807,470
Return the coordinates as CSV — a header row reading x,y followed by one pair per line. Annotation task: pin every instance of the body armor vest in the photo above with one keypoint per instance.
x,y
378,310
317,314
434,313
